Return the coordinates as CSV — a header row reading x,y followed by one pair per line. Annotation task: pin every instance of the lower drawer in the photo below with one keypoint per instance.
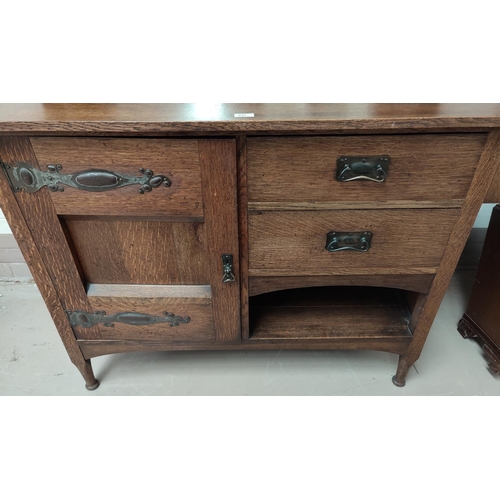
x,y
142,312
403,242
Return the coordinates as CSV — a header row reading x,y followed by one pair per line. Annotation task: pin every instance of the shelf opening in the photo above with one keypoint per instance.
x,y
330,312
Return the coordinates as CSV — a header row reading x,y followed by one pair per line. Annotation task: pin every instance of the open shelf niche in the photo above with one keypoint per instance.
x,y
330,312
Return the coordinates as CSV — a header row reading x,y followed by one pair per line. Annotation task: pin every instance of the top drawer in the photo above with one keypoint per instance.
x,y
302,170
98,166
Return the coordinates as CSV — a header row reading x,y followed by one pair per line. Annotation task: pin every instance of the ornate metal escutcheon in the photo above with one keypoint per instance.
x,y
370,168
24,176
227,268
86,319
337,241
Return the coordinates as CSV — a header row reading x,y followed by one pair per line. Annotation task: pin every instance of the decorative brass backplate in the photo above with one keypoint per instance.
x,y
86,319
24,176
370,168
337,241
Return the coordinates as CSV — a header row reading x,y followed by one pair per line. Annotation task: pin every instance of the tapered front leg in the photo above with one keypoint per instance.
x,y
402,371
85,367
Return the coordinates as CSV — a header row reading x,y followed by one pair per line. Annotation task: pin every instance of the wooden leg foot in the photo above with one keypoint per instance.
x,y
92,387
85,367
493,359
403,368
465,329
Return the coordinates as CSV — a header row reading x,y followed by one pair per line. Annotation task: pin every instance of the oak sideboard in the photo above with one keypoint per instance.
x,y
244,226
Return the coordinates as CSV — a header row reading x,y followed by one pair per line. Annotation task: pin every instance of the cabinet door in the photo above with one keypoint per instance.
x,y
133,233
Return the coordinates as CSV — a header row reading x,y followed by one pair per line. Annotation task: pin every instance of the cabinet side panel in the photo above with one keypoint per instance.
x,y
493,194
47,233
488,164
21,231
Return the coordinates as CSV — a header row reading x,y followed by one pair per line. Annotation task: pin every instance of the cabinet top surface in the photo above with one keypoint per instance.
x,y
230,118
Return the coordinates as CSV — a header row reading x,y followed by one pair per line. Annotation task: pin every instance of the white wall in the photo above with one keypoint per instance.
x,y
4,227
12,264
483,218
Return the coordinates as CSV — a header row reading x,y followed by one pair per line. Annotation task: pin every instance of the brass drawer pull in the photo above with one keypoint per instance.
x,y
369,168
337,241
25,176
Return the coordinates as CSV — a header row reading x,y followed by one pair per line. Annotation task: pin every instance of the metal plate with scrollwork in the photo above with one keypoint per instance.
x,y
369,168
24,176
86,319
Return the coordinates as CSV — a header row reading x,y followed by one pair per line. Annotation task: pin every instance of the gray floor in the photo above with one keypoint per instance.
x,y
34,362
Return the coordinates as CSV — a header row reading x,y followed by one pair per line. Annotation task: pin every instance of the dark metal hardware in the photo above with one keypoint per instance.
x,y
228,268
24,176
360,242
370,168
86,319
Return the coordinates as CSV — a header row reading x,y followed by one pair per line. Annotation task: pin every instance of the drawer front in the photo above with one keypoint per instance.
x,y
103,163
137,312
423,168
292,243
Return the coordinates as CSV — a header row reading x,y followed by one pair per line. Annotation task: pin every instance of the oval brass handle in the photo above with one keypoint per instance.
x,y
369,168
359,242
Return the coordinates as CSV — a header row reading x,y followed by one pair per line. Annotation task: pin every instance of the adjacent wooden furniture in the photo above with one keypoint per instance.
x,y
244,226
482,318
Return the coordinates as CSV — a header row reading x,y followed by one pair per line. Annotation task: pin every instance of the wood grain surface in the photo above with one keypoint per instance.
x,y
241,160
396,345
219,180
138,252
293,243
177,159
101,119
325,322
359,204
303,169
493,194
414,282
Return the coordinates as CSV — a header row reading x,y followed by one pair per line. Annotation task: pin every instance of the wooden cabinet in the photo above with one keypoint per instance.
x,y
264,233
482,318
